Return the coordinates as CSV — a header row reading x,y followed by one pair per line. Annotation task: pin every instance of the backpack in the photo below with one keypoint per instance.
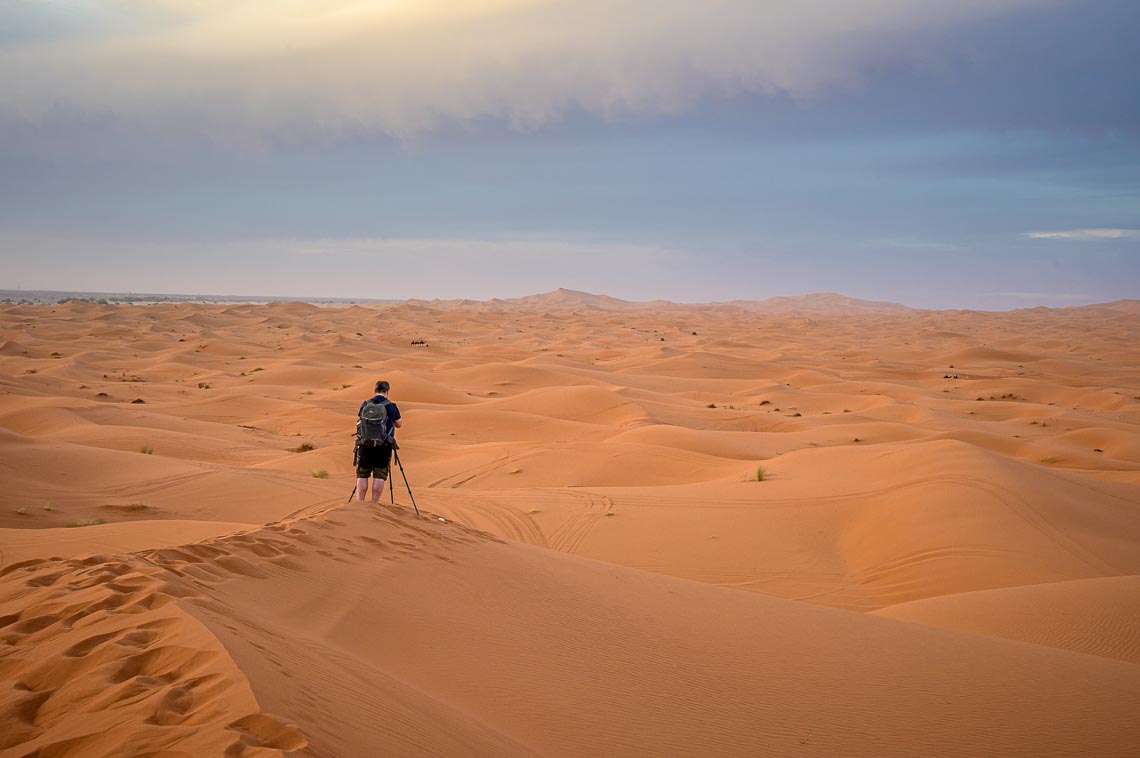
x,y
374,426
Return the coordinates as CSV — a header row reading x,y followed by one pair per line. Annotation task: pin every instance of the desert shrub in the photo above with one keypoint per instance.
x,y
761,474
304,447
146,450
89,522
321,474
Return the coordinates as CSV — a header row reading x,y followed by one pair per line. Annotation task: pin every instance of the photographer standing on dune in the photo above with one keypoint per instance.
x,y
376,425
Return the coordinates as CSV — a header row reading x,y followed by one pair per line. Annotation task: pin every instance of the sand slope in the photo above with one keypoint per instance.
x,y
371,630
1094,616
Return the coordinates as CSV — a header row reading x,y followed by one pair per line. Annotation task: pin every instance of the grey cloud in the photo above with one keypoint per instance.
x,y
250,70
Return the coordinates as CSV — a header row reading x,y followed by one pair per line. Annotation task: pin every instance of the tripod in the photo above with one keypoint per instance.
x,y
396,455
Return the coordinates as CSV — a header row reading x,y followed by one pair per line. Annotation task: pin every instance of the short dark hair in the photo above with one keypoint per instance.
x,y
382,387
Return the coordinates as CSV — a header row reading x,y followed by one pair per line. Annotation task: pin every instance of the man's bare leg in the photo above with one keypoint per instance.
x,y
361,489
377,489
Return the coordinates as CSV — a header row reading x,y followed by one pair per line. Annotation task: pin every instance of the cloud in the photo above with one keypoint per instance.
x,y
279,69
1086,235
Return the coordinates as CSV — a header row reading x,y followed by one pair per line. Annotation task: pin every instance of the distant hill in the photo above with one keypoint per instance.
x,y
1130,307
818,302
1125,307
566,298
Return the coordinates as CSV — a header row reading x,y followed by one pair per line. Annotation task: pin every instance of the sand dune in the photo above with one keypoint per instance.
x,y
700,530
365,630
1095,616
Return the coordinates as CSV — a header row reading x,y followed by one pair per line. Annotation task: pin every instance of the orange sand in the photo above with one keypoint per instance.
x,y
930,567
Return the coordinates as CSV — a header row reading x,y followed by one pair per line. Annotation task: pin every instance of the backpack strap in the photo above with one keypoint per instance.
x,y
382,401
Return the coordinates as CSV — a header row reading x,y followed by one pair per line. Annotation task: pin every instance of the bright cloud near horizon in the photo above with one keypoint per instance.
x,y
933,153
405,66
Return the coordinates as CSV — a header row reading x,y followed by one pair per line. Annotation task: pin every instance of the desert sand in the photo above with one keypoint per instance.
x,y
803,526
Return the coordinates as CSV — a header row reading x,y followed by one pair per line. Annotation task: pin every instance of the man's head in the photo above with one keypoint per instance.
x,y
382,387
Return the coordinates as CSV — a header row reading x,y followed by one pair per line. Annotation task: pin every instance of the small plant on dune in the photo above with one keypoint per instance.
x,y
146,450
203,385
321,474
761,474
765,402
856,440
138,401
711,405
304,447
90,522
357,365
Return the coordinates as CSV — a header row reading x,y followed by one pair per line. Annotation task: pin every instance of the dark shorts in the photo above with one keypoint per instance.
x,y
373,461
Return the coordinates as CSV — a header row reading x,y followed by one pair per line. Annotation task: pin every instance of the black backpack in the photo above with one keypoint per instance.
x,y
374,425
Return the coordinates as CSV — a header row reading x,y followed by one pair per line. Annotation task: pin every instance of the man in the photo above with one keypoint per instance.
x,y
374,457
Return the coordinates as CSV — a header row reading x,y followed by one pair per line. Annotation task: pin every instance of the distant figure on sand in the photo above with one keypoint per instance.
x,y
376,425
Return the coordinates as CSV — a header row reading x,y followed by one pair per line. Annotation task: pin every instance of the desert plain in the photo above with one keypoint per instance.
x,y
803,526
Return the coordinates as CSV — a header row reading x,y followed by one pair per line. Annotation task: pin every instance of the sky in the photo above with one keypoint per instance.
x,y
968,154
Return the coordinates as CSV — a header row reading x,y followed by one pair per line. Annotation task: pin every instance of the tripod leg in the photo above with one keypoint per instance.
x,y
410,495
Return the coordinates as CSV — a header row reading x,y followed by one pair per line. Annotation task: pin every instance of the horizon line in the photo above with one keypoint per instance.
x,y
140,297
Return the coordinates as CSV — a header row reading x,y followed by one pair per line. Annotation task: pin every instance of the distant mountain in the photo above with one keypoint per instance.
x,y
1126,307
818,302
564,298
1131,307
